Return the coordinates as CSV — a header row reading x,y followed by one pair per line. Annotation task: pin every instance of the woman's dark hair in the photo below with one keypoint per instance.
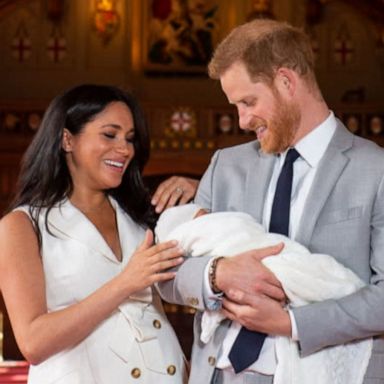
x,y
44,178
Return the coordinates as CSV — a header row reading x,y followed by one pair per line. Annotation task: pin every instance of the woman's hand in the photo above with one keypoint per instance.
x,y
175,190
151,263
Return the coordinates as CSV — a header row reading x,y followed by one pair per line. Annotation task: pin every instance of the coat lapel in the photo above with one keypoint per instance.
x,y
131,234
257,183
66,220
330,169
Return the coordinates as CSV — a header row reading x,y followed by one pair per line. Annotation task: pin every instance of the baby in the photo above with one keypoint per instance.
x,y
305,277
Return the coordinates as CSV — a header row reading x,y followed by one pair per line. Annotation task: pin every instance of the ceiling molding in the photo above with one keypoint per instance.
x,y
7,6
374,9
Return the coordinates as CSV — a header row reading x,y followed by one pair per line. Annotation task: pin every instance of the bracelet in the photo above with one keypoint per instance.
x,y
212,275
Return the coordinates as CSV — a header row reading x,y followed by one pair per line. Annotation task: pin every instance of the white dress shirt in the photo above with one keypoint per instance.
x,y
311,149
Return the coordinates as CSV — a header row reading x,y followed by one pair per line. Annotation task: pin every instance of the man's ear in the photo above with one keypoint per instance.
x,y
66,142
286,80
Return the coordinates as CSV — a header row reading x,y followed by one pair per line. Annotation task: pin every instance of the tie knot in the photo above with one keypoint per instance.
x,y
292,155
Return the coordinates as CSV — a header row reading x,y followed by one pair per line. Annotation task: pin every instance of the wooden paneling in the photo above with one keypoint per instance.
x,y
10,349
9,169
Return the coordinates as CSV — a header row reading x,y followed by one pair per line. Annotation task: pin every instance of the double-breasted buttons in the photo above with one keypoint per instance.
x,y
171,370
157,324
211,360
193,301
136,373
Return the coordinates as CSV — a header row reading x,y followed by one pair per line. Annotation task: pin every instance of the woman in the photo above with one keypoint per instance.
x,y
77,263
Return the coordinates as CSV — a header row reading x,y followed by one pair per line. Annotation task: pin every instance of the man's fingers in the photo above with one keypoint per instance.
x,y
234,296
228,314
275,291
269,277
261,253
234,307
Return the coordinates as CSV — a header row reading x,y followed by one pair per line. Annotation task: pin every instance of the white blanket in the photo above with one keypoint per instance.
x,y
305,277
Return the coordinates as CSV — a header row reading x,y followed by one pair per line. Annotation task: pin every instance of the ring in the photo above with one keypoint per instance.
x,y
179,190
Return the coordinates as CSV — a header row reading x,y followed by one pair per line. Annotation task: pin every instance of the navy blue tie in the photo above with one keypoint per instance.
x,y
247,346
281,205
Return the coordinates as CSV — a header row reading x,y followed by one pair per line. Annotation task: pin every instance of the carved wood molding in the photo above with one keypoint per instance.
x,y
8,5
374,9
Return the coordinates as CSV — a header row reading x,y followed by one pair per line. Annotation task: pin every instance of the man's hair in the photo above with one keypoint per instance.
x,y
264,46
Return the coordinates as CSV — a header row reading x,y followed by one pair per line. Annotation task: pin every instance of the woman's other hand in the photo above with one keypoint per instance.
x,y
173,191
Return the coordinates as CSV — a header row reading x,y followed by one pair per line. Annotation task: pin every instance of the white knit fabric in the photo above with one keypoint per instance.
x,y
306,278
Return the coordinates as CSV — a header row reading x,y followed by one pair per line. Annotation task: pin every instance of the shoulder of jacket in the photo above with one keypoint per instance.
x,y
251,147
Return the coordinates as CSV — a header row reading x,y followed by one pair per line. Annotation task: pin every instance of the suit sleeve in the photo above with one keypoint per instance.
x,y
204,193
187,288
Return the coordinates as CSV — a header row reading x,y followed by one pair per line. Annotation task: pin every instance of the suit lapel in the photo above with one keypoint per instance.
x,y
330,169
67,220
257,182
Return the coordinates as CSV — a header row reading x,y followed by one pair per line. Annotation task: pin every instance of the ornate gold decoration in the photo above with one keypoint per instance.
x,y
106,20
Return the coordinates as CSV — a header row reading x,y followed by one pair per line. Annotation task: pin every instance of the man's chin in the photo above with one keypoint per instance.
x,y
266,147
270,149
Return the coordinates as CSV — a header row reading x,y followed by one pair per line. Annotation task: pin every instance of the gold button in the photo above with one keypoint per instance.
x,y
193,301
171,370
157,324
135,373
211,361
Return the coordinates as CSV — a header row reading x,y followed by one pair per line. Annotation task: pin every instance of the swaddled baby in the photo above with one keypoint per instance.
x,y
305,277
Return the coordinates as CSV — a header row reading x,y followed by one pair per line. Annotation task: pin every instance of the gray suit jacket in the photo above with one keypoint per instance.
x,y
343,217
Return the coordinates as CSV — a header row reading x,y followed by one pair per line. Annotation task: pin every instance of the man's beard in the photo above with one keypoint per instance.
x,y
282,127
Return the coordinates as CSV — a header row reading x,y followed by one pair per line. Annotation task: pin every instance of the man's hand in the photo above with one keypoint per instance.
x,y
257,313
246,273
175,190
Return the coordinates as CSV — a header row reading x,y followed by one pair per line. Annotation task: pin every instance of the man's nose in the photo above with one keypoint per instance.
x,y
244,119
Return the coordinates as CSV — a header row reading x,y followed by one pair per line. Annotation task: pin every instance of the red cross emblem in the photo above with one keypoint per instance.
x,y
57,48
343,51
21,48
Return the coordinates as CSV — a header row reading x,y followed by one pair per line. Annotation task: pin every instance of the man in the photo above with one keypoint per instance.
x,y
336,206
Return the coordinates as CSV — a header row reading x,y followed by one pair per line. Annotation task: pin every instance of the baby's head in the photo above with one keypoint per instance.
x,y
200,212
175,216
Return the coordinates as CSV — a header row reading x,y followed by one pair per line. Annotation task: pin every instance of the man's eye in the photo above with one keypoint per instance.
x,y
249,102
